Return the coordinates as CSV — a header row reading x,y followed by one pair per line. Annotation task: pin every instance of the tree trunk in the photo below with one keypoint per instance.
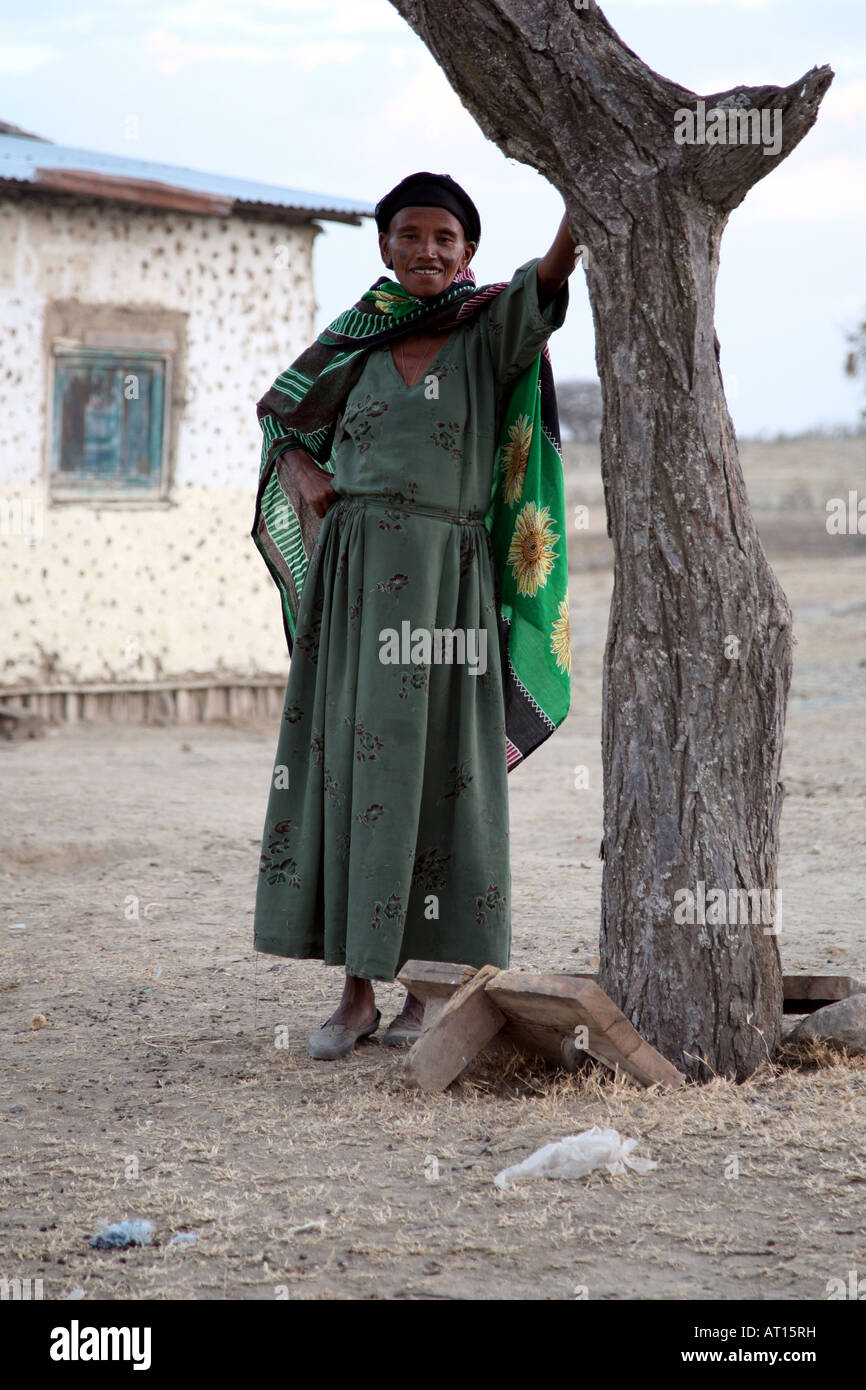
x,y
698,657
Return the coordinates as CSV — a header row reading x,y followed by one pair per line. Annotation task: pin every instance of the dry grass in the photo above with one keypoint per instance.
x,y
155,1088
309,1180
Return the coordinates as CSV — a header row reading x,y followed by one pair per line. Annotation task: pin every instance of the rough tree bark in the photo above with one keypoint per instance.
x,y
698,656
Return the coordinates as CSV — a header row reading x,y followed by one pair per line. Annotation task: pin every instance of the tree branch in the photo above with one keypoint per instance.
x,y
724,173
555,87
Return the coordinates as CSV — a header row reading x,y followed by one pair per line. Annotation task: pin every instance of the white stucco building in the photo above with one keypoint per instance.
x,y
144,309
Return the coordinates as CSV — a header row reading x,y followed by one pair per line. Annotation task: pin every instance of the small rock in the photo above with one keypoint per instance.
x,y
842,1023
122,1234
39,1021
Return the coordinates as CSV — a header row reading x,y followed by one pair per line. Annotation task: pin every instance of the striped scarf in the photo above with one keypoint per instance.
x,y
525,519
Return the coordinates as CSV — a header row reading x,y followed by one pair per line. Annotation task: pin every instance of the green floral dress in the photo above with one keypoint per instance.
x,y
386,835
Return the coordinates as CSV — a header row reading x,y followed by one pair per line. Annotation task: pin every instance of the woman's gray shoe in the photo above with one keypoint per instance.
x,y
405,1028
335,1040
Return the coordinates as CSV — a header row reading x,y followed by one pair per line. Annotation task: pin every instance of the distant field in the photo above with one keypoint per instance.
x,y
789,484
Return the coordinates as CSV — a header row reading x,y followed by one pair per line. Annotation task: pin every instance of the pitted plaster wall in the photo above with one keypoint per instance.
x,y
100,593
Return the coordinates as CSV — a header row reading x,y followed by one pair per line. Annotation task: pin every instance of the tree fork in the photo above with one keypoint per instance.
x,y
698,656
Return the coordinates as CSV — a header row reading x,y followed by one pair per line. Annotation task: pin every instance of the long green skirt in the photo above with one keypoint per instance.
x,y
386,836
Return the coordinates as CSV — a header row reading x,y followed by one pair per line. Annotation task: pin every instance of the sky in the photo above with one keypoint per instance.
x,y
341,97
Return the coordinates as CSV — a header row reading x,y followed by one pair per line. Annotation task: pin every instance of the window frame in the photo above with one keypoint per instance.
x,y
96,492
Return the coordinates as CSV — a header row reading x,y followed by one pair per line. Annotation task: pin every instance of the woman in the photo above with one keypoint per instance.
x,y
411,511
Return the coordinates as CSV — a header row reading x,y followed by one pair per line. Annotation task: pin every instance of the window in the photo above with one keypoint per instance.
x,y
109,428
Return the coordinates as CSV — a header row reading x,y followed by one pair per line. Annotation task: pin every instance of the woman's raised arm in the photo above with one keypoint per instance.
x,y
555,267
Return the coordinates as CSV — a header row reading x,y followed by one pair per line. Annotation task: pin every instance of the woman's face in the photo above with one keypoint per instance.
x,y
426,248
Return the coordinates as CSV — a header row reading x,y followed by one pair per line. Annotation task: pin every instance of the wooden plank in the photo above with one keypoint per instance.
x,y
803,994
564,1003
432,1010
466,1024
535,1040
549,1032
434,982
434,979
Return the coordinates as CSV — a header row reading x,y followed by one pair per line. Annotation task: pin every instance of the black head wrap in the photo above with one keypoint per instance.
x,y
428,190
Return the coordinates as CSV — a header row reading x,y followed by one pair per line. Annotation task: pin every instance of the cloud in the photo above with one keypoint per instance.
x,y
426,108
20,59
172,53
844,103
613,5
315,55
816,191
350,15
86,22
279,21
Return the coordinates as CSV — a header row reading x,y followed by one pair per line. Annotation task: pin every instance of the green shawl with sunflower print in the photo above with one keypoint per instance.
x,y
525,519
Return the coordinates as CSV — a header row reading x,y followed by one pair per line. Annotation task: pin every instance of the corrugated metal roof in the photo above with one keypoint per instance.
x,y
23,160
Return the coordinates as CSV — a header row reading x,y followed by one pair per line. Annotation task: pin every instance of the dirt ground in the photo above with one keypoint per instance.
x,y
156,1088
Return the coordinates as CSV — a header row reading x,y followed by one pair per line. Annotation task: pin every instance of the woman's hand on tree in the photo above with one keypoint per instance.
x,y
314,482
